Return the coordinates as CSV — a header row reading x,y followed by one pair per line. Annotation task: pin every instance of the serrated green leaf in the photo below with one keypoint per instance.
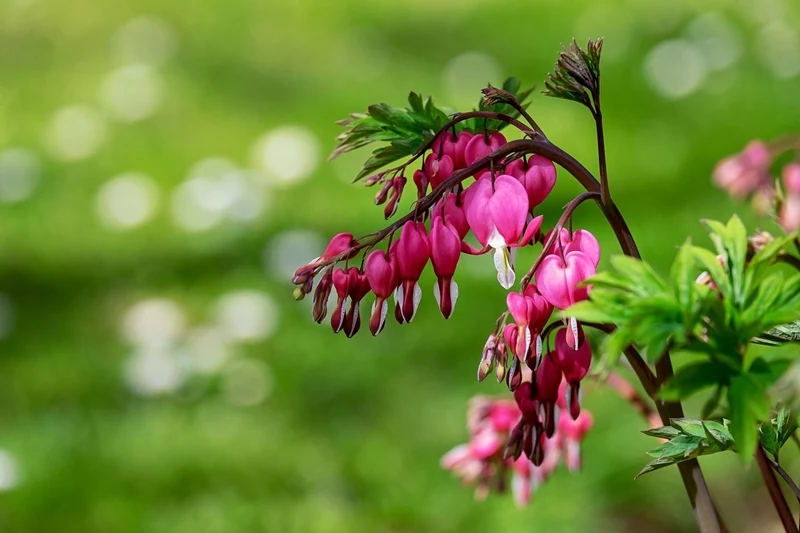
x,y
689,426
415,101
664,432
719,434
683,283
657,464
677,447
644,280
587,311
693,378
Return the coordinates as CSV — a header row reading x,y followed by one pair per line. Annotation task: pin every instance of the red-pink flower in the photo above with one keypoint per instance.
x,y
412,251
453,213
548,380
358,287
339,244
459,149
479,146
341,282
559,278
381,272
497,213
579,241
575,364
789,215
398,184
445,245
530,312
538,176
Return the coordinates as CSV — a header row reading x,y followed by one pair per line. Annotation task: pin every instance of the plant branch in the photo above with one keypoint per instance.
x,y
785,514
601,152
786,477
789,260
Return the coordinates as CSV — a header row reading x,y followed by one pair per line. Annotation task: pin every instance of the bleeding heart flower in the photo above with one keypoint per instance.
x,y
579,241
421,181
482,145
358,287
575,364
453,214
791,178
558,278
321,295
538,177
445,245
459,149
381,272
497,214
398,184
548,379
438,168
341,282
413,251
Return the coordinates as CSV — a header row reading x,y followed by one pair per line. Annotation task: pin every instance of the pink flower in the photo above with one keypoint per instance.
x,y
453,214
575,364
538,177
530,311
438,168
548,380
358,287
341,281
381,272
445,245
479,146
497,214
413,252
579,241
559,277
398,184
421,181
321,296
744,173
339,244
459,149
572,432
791,179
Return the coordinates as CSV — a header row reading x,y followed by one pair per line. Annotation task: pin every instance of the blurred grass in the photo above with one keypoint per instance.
x,y
350,438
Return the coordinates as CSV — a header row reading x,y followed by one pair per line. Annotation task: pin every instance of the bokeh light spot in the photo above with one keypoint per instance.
x,y
675,68
127,201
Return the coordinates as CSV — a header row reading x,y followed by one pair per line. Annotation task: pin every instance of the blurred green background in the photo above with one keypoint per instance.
x,y
162,173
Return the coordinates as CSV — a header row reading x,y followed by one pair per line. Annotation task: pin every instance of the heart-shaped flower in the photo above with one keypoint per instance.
x,y
558,278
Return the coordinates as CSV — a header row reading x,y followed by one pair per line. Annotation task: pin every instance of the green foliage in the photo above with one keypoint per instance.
x,y
408,129
686,439
749,296
775,432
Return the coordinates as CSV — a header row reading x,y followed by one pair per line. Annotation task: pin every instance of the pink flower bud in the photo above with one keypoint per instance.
x,y
421,181
481,145
413,252
398,184
525,396
383,193
743,174
789,216
444,145
321,295
438,169
339,244
487,357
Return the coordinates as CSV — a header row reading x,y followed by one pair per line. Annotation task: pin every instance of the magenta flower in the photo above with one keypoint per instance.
x,y
357,288
530,311
381,272
321,296
548,380
398,184
339,244
497,214
558,278
453,214
575,364
538,176
579,241
438,168
460,148
445,245
413,252
482,145
421,181
341,282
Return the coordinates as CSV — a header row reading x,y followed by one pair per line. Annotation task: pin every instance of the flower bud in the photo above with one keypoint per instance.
x,y
487,357
321,295
398,184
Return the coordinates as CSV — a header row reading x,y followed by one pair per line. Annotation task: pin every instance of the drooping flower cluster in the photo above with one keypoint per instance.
x,y
748,175
496,206
488,459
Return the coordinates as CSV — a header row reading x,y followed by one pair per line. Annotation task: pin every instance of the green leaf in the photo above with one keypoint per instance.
x,y
644,280
664,432
719,434
683,283
689,426
587,311
693,378
679,446
768,436
747,403
785,425
657,464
